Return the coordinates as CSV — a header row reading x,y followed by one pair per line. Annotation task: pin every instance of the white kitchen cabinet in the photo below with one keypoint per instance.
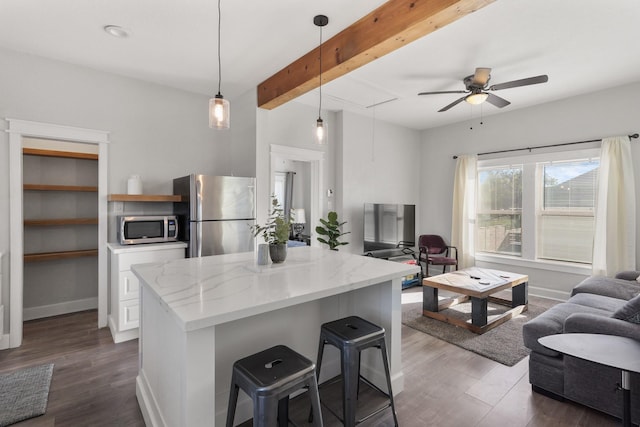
x,y
125,307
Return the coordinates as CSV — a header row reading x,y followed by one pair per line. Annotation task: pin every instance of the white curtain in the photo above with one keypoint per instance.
x,y
614,241
464,210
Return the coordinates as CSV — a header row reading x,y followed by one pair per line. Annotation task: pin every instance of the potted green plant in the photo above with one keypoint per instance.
x,y
275,232
331,229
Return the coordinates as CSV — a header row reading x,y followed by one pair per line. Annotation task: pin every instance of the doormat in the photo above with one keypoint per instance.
x,y
24,393
504,343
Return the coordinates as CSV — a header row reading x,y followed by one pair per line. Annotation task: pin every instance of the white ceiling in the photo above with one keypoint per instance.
x,y
582,45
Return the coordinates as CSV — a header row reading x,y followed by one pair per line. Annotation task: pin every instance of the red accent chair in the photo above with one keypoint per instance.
x,y
434,251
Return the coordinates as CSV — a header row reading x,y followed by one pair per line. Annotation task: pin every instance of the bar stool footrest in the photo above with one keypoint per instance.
x,y
337,379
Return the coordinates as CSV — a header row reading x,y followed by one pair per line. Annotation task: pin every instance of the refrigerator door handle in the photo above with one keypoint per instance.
x,y
196,201
197,244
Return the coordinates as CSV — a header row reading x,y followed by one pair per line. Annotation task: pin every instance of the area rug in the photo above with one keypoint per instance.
x,y
24,393
503,344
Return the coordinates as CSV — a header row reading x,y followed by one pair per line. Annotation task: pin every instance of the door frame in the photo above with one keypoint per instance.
x,y
316,161
17,130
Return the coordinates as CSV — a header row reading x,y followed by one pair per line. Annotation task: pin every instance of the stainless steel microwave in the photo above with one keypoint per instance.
x,y
133,230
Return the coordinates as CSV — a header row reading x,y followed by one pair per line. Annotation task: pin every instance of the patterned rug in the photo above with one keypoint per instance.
x,y
503,344
24,393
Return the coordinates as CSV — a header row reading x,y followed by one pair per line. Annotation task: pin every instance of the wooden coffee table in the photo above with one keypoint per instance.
x,y
478,285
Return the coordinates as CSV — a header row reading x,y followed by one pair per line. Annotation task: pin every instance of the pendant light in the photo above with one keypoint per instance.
x,y
321,129
219,112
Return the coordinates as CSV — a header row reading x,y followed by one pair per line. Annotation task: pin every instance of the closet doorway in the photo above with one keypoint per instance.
x,y
23,133
60,234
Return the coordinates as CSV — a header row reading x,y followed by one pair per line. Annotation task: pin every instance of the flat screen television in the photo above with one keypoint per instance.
x,y
388,225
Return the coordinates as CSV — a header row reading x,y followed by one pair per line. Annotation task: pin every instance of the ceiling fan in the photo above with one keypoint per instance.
x,y
476,92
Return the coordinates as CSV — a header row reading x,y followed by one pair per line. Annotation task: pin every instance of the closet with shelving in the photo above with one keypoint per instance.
x,y
60,205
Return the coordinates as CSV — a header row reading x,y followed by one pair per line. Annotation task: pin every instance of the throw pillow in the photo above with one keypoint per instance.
x,y
630,311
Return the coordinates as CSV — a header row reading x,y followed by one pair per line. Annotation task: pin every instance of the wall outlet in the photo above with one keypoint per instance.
x,y
329,192
118,207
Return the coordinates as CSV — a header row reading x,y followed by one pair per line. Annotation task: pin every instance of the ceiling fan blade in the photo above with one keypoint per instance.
x,y
522,82
497,101
481,76
453,104
446,91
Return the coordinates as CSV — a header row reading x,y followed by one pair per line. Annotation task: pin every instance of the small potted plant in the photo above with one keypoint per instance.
x,y
331,229
275,232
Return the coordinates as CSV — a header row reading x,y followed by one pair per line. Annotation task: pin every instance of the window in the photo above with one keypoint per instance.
x,y
565,213
499,211
279,180
538,206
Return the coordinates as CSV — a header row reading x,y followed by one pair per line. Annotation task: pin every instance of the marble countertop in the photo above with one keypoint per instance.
x,y
202,292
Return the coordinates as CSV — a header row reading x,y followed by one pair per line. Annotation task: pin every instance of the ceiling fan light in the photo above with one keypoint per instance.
x,y
477,98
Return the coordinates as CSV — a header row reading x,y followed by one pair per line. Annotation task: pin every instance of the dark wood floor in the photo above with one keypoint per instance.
x,y
93,380
94,383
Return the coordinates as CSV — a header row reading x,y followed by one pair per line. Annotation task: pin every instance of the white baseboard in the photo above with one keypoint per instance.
x,y
121,336
4,341
148,405
30,313
4,338
549,293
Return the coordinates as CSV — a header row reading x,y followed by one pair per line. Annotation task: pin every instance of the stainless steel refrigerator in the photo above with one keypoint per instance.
x,y
216,213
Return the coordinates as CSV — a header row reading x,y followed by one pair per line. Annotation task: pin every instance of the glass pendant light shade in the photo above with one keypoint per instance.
x,y
321,132
219,113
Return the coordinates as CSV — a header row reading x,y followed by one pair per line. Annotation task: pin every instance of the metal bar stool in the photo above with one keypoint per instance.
x,y
351,335
269,377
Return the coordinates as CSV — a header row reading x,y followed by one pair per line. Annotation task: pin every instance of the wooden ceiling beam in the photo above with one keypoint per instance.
x,y
391,26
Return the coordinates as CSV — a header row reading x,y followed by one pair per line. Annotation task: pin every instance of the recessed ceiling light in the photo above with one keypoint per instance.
x,y
116,31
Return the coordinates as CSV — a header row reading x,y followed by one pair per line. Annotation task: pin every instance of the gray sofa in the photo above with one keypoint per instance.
x,y
597,305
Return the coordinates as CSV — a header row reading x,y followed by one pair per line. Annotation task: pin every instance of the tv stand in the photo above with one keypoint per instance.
x,y
406,255
392,253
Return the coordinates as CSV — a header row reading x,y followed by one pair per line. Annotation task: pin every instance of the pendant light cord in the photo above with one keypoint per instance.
x,y
320,86
219,58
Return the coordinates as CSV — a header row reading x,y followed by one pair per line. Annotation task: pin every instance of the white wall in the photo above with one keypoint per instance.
x,y
156,132
241,157
291,125
610,112
378,163
364,162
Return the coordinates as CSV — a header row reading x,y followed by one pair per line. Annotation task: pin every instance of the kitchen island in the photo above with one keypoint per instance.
x,y
199,315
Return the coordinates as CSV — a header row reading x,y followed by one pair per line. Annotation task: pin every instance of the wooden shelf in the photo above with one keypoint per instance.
x,y
54,153
143,198
43,187
61,221
48,256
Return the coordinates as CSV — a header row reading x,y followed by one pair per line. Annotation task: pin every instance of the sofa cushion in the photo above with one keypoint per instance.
x,y
628,275
598,301
586,323
551,322
547,372
607,286
629,311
